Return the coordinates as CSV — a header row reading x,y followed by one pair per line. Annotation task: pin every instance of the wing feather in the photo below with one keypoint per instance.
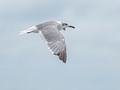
x,y
55,42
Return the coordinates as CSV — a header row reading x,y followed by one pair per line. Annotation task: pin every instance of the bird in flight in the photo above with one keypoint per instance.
x,y
50,33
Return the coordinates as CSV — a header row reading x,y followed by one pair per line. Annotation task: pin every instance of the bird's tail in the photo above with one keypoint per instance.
x,y
23,32
29,30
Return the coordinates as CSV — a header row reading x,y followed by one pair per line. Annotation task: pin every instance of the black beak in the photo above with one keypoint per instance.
x,y
72,27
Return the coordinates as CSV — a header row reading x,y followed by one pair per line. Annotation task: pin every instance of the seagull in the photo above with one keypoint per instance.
x,y
50,33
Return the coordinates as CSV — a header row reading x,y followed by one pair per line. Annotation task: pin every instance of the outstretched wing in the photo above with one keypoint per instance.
x,y
55,41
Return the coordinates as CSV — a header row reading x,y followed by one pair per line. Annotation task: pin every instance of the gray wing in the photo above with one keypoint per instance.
x,y
55,42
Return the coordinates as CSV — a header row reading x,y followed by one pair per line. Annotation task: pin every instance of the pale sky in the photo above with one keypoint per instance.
x,y
93,48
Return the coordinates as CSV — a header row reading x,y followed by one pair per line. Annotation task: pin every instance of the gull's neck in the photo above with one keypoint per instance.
x,y
60,27
59,22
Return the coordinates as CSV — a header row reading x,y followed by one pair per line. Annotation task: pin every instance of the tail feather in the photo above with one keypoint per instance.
x,y
23,32
29,30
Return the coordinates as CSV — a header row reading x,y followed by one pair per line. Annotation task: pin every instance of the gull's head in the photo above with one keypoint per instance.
x,y
65,25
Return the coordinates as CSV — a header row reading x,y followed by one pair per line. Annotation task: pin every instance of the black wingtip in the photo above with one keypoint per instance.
x,y
63,56
64,61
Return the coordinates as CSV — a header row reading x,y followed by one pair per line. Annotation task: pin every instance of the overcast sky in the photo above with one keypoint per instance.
x,y
93,48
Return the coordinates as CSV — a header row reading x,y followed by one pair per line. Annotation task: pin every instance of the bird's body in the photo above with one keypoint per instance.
x,y
50,32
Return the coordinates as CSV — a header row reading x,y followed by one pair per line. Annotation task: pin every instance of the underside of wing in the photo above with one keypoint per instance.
x,y
55,42
58,48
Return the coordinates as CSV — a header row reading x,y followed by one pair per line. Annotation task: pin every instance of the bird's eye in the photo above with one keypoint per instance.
x,y
65,24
